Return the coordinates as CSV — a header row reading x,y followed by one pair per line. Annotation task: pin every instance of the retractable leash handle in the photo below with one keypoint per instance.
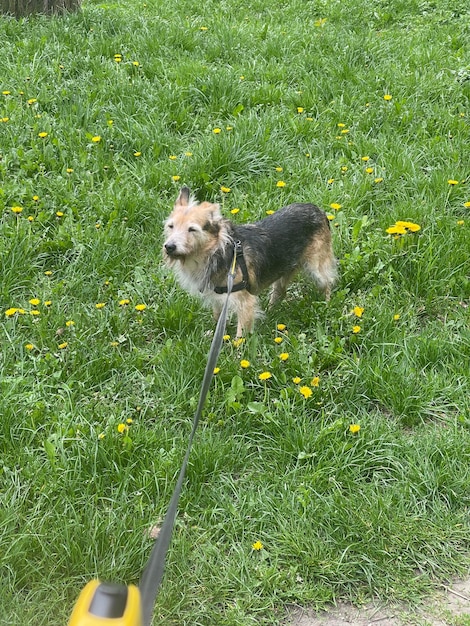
x,y
108,604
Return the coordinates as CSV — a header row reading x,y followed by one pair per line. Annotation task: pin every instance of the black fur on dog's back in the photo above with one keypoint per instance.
x,y
275,245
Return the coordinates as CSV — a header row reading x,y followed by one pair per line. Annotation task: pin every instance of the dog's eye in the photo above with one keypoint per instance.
x,y
170,226
191,229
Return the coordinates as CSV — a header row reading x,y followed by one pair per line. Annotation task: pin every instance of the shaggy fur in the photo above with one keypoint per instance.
x,y
199,247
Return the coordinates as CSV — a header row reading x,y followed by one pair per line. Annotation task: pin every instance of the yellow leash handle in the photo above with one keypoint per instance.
x,y
105,604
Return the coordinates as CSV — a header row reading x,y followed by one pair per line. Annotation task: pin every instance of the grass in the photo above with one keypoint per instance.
x,y
297,91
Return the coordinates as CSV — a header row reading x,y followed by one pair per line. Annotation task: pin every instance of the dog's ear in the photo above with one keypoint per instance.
x,y
184,196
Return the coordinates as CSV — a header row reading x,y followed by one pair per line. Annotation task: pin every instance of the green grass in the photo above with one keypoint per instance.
x,y
383,512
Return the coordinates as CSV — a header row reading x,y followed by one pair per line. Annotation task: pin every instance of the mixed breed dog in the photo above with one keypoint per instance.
x,y
200,245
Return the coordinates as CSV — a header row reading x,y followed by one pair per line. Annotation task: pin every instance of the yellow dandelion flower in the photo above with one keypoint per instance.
x,y
358,311
265,376
284,356
34,301
330,216
121,428
238,342
280,183
279,169
356,329
17,209
216,370
365,158
216,131
300,109
354,428
48,273
137,154
315,382
269,212
277,339
96,139
341,125
62,345
396,317
35,312
140,307
42,135
296,380
234,211
305,391
330,181
378,180
244,363
226,337
460,222
453,182
69,323
225,189
59,214
188,154
335,206
172,157
176,178
29,346
47,302
281,327
387,97
257,546
100,305
369,170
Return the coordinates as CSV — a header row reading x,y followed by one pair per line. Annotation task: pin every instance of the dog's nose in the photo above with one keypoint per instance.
x,y
170,248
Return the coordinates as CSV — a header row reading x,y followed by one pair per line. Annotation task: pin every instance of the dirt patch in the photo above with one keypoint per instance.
x,y
451,607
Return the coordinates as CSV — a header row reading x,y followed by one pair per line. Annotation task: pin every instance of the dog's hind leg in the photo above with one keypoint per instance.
x,y
246,306
278,290
320,263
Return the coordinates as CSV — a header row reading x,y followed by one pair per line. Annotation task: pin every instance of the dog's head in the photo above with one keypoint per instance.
x,y
192,229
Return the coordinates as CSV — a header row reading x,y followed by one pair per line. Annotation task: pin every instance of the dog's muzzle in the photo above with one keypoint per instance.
x,y
170,249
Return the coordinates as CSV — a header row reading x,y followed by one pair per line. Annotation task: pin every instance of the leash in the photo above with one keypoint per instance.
x,y
119,605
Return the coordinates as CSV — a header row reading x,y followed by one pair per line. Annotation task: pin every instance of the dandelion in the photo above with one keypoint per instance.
x,y
17,209
176,178
378,180
35,312
244,364
121,428
396,317
306,392
320,22
35,198
42,135
281,327
330,181
216,131
356,329
369,170
225,189
69,323
10,312
300,109
354,429
48,273
69,170
47,302
387,97
29,346
453,182
257,546
330,216
265,376
284,356
59,213
226,337
358,311
335,206
280,183
234,211
238,342
460,222
137,154
341,125
315,382
216,370
96,139
6,93
62,345
365,158
172,157
466,205
34,301
124,301
269,212
296,380
135,63
100,305
101,436
140,307
279,169
188,154
278,340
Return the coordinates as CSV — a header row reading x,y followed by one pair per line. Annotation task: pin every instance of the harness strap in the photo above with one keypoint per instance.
x,y
240,259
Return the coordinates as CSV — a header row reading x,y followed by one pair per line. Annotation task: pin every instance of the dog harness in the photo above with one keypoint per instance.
x,y
245,283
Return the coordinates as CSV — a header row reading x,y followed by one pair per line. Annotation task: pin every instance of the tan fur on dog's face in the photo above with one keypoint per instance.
x,y
191,230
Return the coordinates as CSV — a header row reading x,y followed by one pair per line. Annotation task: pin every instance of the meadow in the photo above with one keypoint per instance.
x,y
333,456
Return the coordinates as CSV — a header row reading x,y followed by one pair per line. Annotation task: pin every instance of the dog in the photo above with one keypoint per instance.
x,y
200,245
